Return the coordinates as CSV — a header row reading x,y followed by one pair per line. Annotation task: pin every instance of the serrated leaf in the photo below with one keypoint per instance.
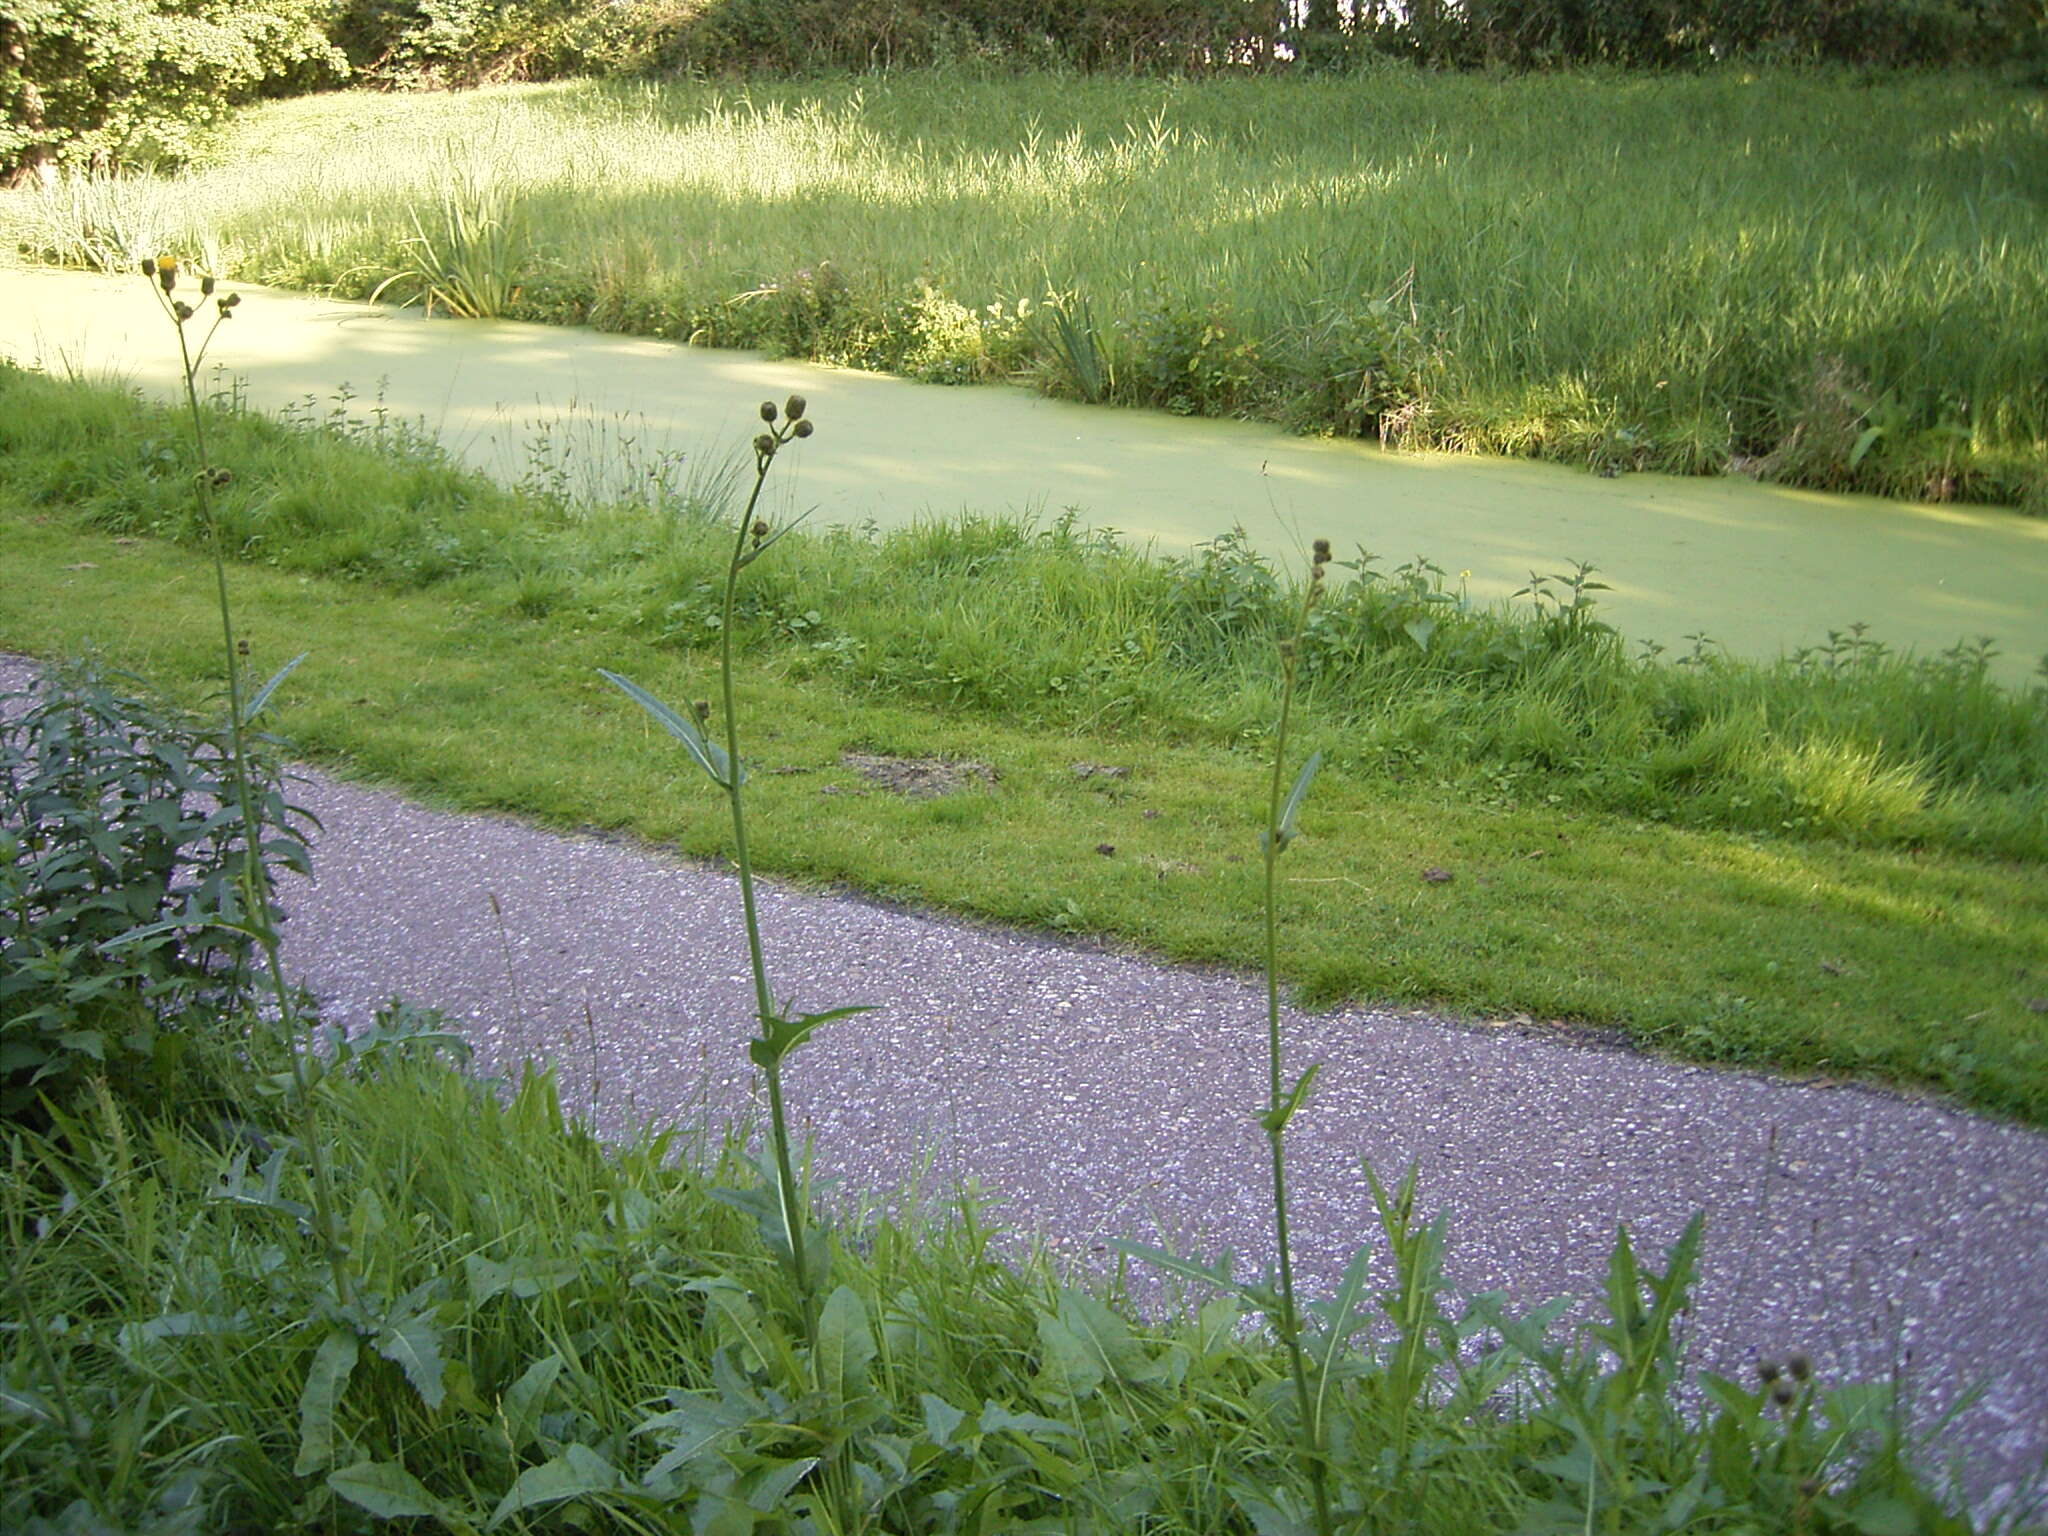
x,y
387,1490
1342,1316
262,696
775,1481
520,1406
709,755
1108,1338
1268,1518
995,1418
1068,1369
694,1427
845,1347
326,1380
522,1275
413,1344
941,1419
577,1473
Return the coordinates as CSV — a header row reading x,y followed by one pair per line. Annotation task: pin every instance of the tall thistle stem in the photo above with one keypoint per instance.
x,y
1281,1100
782,1213
255,892
789,1196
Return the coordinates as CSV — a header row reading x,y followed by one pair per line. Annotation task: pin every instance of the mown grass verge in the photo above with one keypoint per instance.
x,y
1895,928
1695,273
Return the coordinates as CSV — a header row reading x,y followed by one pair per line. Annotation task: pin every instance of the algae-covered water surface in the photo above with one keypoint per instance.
x,y
1759,569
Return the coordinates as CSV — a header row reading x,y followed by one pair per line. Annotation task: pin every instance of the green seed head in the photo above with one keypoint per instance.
x,y
764,445
1800,1364
1322,552
795,407
804,428
768,411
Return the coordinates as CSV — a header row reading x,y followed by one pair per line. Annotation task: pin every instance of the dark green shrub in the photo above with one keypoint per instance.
x,y
99,81
117,815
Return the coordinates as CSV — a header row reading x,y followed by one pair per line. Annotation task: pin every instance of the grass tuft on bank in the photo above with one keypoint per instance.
x,y
1828,279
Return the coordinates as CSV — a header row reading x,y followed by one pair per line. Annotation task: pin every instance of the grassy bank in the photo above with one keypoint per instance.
x,y
1843,859
1697,274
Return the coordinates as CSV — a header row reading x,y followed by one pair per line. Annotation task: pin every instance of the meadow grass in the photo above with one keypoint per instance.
x,y
1831,279
1890,925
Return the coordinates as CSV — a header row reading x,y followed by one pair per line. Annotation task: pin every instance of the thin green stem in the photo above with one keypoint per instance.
x,y
255,893
788,1194
1276,1131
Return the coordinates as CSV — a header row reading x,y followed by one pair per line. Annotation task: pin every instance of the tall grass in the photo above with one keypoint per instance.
x,y
1834,280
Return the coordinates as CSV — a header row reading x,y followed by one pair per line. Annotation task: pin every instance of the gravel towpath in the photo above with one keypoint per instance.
x,y
1094,1095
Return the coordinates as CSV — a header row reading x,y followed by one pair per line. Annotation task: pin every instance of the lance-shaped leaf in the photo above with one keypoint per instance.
x,y
1274,1120
1218,1274
262,696
748,557
708,754
519,1409
413,1344
845,1348
577,1473
325,1382
1292,806
390,1492
780,1036
1341,1316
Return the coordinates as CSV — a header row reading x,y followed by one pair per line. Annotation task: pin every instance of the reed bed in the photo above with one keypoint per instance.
x,y
1827,279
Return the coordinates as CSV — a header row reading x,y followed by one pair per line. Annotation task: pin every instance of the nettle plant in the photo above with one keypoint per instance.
x,y
118,814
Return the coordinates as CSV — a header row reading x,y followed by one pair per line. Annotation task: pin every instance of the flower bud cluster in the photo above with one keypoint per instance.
x,y
1783,1383
794,424
1320,557
163,271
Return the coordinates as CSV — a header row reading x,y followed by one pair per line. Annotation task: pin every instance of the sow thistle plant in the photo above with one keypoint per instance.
x,y
250,911
1279,1305
782,1206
